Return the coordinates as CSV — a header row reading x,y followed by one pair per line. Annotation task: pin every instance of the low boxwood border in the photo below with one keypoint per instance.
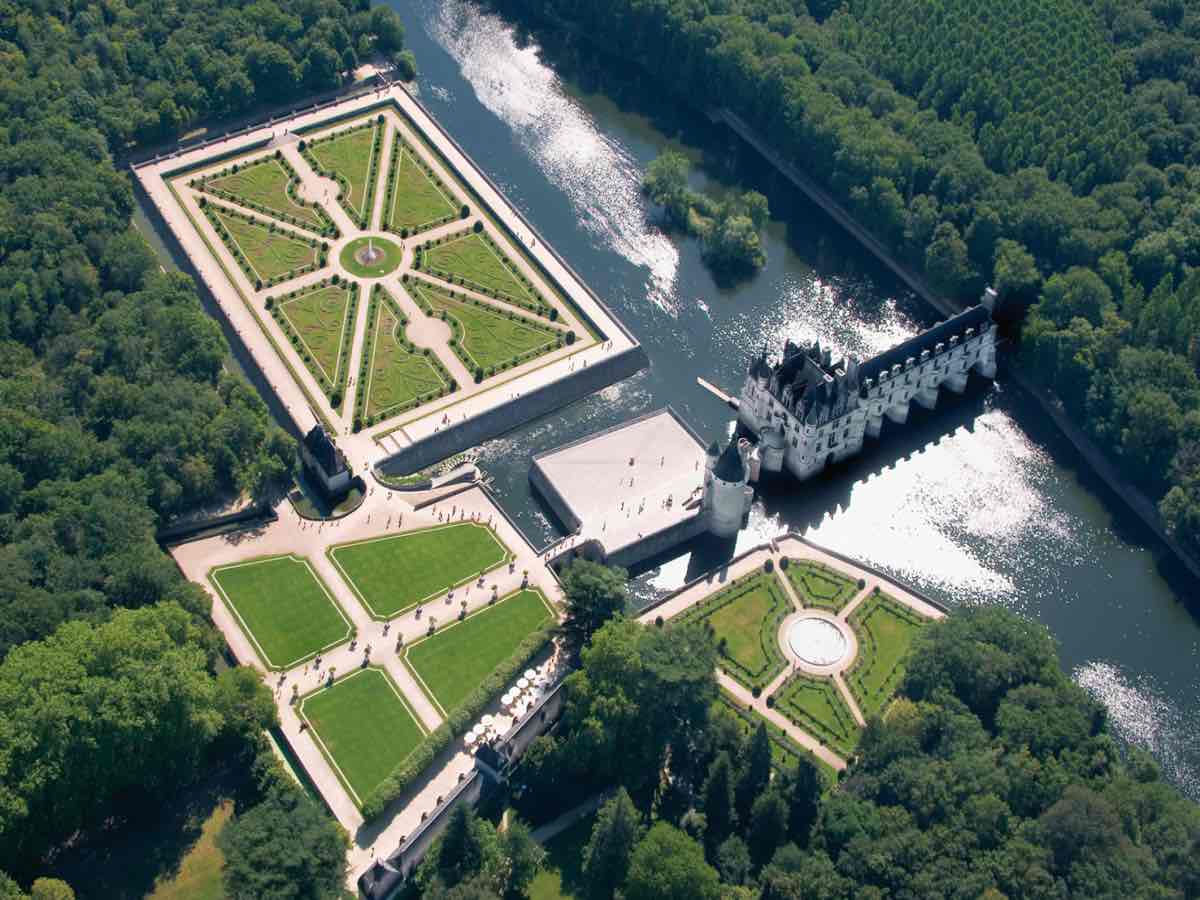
x,y
859,620
380,294
239,254
399,147
767,632
799,568
333,389
204,184
805,720
363,219
539,308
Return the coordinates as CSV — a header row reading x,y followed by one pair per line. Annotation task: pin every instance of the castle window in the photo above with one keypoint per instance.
x,y
795,443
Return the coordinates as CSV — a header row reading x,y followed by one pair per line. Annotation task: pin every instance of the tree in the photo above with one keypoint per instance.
x,y
718,801
286,847
525,856
617,831
468,847
594,594
804,800
756,774
668,865
666,183
768,826
1015,271
733,860
50,889
946,260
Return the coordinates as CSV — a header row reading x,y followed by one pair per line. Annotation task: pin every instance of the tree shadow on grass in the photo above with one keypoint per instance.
x,y
145,842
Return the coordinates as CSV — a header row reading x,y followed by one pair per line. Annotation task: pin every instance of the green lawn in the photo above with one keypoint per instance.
x,y
820,586
397,376
562,876
394,573
349,155
199,874
283,606
364,728
419,200
321,318
266,183
473,258
269,254
885,629
745,618
451,663
487,338
816,705
389,262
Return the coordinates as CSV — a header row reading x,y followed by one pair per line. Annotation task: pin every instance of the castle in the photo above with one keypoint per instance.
x,y
808,411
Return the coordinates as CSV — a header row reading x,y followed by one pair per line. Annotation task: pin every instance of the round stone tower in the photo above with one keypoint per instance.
x,y
725,492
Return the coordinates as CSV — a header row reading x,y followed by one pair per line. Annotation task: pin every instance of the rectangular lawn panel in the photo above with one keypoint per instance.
x,y
399,376
265,183
478,262
821,586
396,572
419,200
270,254
364,728
349,155
745,618
816,705
284,608
320,319
885,629
487,338
451,663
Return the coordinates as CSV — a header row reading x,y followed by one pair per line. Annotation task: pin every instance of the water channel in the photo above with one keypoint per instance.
x,y
978,502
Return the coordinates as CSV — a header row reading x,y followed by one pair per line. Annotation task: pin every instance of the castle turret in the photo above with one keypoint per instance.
x,y
726,494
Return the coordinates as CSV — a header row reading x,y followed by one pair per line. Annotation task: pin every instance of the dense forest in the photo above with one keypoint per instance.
x,y
992,776
116,412
1050,148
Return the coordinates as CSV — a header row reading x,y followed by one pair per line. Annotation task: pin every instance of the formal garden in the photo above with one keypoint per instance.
x,y
351,158
416,199
472,259
283,607
396,375
418,232
269,185
363,726
266,253
396,572
885,629
744,618
454,660
821,586
814,703
319,321
487,339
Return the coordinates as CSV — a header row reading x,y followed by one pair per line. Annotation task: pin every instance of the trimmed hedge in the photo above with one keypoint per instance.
x,y
328,228
456,723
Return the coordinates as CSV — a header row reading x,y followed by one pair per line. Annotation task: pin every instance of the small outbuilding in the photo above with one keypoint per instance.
x,y
325,465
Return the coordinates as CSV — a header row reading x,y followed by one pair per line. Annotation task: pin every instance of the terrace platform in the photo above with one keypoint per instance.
x,y
628,492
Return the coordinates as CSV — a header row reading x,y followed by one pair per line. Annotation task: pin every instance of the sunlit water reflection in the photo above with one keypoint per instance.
x,y
970,504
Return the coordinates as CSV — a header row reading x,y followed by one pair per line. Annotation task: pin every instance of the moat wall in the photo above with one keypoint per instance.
x,y
533,405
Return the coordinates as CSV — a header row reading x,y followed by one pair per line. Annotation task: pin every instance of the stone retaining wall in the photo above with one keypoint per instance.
x,y
504,418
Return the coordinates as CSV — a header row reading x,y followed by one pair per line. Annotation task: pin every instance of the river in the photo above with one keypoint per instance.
x,y
979,502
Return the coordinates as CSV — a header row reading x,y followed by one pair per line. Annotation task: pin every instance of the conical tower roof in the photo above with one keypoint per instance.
x,y
730,467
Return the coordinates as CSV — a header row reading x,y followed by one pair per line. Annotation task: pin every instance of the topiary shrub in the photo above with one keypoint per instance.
x,y
570,337
769,565
862,583
464,212
477,227
784,562
756,692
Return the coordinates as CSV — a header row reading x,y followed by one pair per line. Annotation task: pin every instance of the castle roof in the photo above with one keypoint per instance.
x,y
759,368
714,449
974,317
323,450
730,467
